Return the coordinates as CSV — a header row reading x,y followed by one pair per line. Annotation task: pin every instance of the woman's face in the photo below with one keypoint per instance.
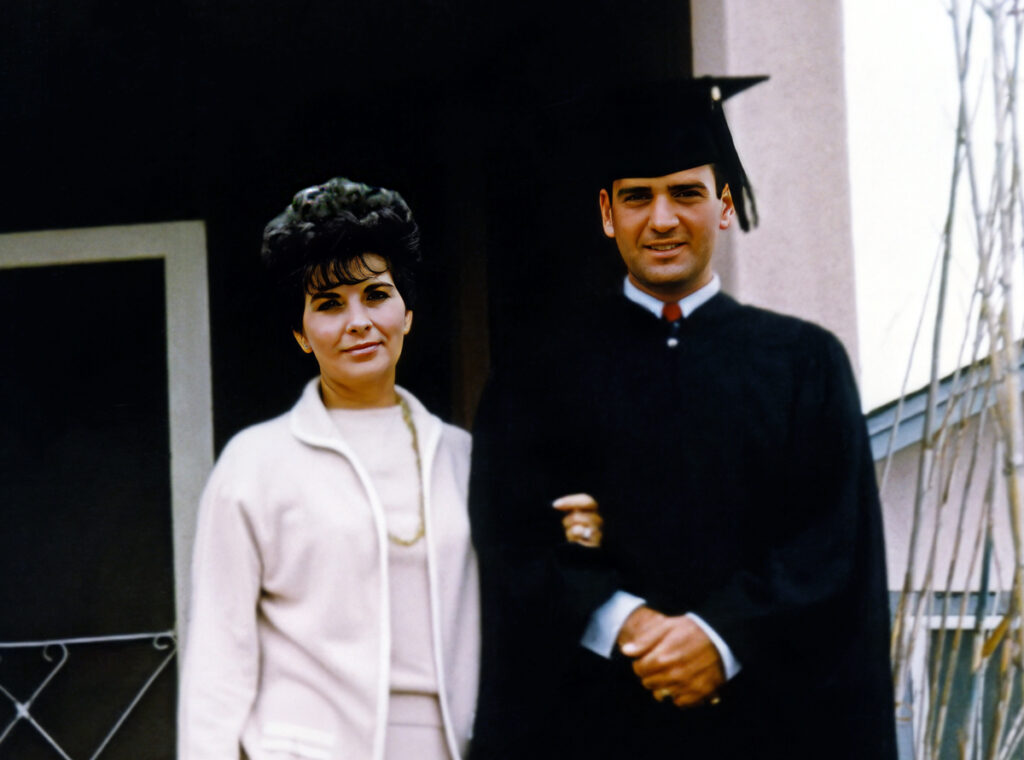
x,y
356,333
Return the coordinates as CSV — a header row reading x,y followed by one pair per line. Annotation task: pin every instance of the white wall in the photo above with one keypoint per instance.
x,y
791,136
902,123
954,536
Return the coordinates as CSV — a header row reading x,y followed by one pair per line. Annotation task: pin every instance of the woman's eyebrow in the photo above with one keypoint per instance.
x,y
322,294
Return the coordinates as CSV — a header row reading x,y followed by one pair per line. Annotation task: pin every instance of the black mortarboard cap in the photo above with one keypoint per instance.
x,y
651,129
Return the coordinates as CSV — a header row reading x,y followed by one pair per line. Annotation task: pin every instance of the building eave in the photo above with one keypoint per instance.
x,y
902,425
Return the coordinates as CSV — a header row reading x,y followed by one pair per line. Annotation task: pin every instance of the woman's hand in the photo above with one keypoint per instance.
x,y
582,522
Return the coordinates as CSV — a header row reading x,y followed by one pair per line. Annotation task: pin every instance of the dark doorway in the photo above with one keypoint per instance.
x,y
85,487
116,113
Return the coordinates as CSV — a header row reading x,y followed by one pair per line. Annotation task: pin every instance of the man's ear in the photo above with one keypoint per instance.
x,y
727,209
607,225
303,343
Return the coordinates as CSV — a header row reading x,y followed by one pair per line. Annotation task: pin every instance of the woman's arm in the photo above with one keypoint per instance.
x,y
221,666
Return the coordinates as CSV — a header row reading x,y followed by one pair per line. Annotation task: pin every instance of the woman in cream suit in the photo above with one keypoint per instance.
x,y
334,611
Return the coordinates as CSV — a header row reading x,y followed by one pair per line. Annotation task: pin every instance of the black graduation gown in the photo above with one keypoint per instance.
x,y
735,479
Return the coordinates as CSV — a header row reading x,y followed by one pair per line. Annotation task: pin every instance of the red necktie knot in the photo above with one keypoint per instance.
x,y
671,312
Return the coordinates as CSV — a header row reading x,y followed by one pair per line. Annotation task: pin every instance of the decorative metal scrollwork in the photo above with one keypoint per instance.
x,y
56,651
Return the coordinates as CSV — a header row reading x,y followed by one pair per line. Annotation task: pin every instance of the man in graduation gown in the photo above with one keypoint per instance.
x,y
733,604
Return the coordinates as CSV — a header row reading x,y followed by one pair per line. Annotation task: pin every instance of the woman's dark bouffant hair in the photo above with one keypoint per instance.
x,y
321,239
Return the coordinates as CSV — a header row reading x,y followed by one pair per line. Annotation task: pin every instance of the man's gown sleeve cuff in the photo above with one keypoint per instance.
x,y
603,628
730,664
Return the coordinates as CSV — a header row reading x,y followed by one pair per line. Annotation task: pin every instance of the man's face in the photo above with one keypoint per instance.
x,y
666,228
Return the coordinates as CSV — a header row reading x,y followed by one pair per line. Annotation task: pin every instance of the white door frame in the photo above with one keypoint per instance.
x,y
182,246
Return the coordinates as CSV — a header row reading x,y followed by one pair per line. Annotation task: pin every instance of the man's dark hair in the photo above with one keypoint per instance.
x,y
322,238
720,181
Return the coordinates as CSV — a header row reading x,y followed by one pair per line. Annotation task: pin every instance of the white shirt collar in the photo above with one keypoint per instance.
x,y
688,304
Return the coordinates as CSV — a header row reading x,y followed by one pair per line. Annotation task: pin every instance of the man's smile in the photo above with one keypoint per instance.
x,y
664,247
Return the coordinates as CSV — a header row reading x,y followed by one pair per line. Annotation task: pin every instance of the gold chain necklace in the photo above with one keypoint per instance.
x,y
407,419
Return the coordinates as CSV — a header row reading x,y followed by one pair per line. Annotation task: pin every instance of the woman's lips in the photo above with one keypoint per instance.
x,y
361,349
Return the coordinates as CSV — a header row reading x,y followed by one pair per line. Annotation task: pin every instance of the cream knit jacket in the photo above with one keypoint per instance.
x,y
288,647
